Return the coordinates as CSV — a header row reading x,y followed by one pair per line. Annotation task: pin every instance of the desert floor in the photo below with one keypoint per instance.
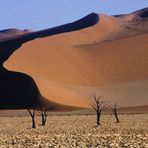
x,y
75,131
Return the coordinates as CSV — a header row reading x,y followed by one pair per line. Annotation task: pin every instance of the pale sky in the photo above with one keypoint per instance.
x,y
41,14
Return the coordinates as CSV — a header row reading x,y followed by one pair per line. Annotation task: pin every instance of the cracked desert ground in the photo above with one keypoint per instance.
x,y
75,131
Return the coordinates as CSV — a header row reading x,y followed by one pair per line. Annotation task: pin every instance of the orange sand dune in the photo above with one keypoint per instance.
x,y
109,59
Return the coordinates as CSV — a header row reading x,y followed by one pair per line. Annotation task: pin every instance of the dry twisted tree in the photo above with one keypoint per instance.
x,y
114,110
99,106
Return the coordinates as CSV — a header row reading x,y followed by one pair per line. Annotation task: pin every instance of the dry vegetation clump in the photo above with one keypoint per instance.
x,y
75,131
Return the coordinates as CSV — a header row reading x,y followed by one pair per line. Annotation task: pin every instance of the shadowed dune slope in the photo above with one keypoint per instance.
x,y
19,91
108,58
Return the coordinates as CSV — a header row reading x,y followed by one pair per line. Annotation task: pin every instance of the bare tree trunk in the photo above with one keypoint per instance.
x,y
33,123
44,116
43,120
98,118
115,113
116,116
33,117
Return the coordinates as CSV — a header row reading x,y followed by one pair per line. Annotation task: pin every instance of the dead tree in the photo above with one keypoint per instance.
x,y
43,112
98,106
114,110
32,114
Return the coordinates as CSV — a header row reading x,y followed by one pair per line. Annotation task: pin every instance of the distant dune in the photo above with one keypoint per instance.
x,y
109,58
136,109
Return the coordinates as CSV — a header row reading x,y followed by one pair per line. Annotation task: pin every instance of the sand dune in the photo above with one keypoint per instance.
x,y
10,33
108,58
